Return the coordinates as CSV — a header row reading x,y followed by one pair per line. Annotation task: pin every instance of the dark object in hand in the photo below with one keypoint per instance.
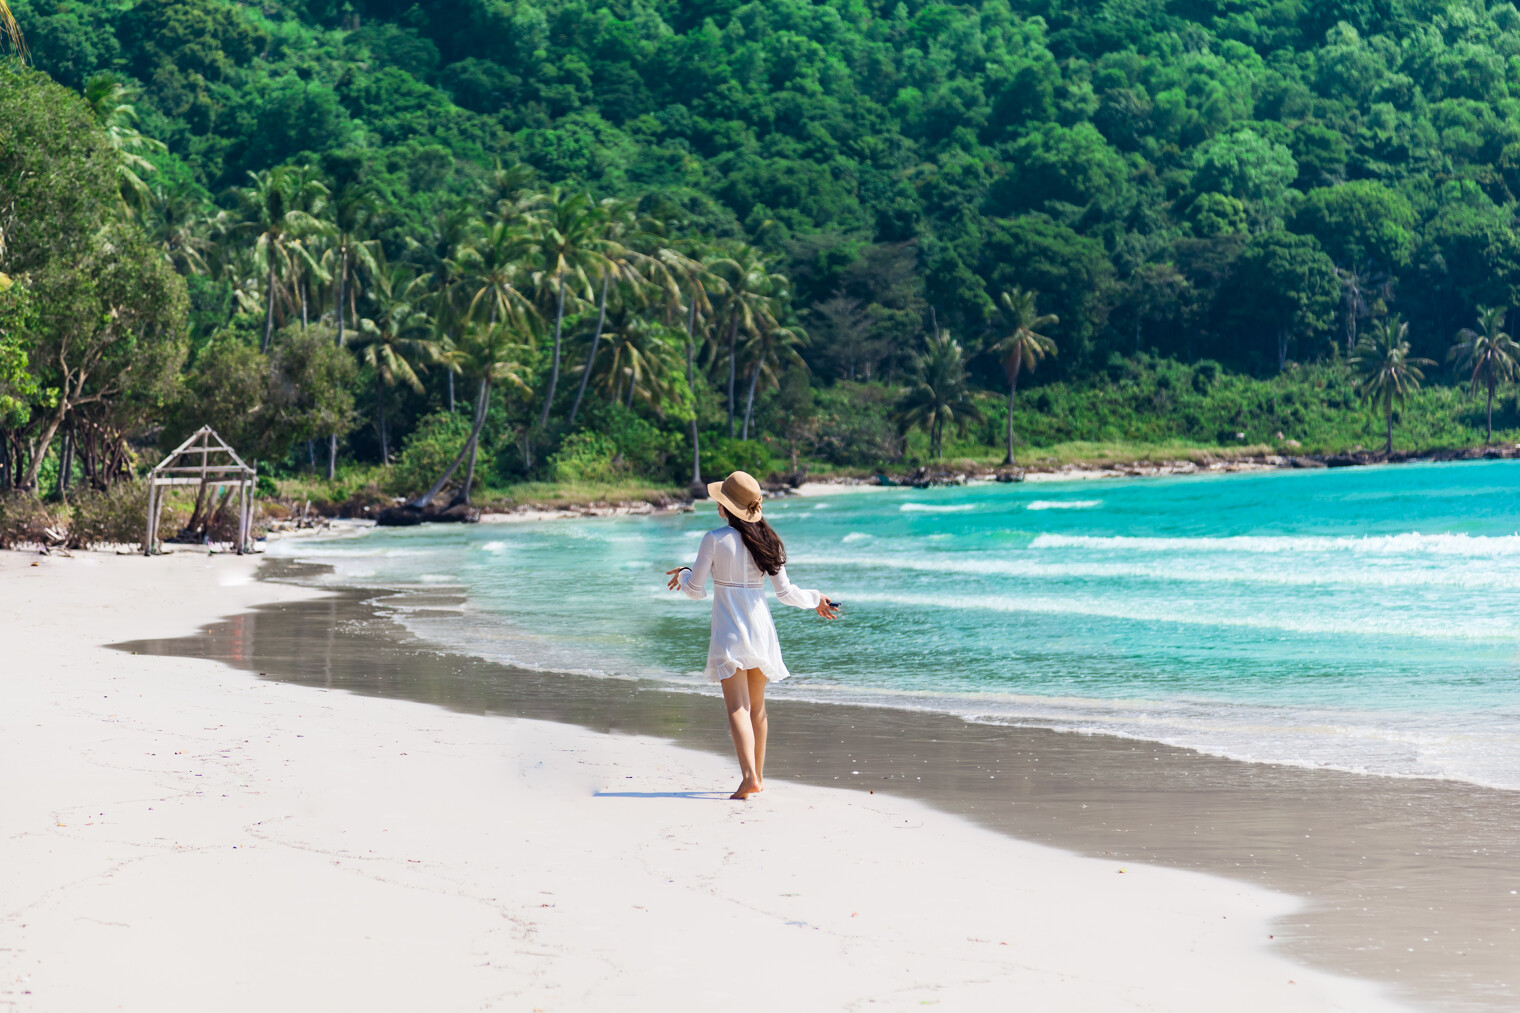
x,y
835,604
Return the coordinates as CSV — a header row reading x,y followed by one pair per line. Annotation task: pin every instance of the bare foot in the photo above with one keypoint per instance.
x,y
747,787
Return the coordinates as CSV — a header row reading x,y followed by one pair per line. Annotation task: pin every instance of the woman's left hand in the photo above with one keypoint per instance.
x,y
675,577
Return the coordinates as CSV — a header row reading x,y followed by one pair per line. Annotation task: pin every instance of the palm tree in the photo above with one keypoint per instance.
x,y
619,260
769,352
493,262
1389,374
352,211
937,395
441,253
1491,355
566,234
750,292
642,352
491,353
393,342
175,221
110,101
281,206
1022,346
681,276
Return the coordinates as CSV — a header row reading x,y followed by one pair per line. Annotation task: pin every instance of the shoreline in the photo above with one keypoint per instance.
x,y
1378,911
305,848
1182,462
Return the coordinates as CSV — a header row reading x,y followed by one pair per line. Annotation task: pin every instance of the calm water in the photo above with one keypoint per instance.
x,y
1364,619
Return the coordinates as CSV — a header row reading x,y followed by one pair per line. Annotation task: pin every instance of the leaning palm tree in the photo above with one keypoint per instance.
x,y
1389,374
393,341
768,353
937,394
491,353
1492,356
280,206
1022,346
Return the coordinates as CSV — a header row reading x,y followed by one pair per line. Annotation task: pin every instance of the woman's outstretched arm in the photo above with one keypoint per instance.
x,y
798,597
692,581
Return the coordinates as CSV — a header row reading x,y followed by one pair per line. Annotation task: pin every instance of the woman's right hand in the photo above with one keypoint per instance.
x,y
826,608
675,577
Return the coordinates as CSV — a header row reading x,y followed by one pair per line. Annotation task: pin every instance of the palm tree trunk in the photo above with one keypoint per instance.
x,y
559,320
733,337
332,439
691,383
749,403
268,310
1388,447
385,449
450,374
1013,388
342,279
301,289
596,339
481,400
1488,437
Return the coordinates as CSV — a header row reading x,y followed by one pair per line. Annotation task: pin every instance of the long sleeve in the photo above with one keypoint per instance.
x,y
694,581
790,594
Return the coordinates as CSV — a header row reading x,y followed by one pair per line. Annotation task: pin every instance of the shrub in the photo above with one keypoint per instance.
x,y
586,457
23,520
118,516
721,456
639,447
428,450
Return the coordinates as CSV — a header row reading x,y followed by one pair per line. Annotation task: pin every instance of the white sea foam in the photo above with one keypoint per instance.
x,y
1408,543
855,536
1063,504
1223,569
936,508
493,546
1182,612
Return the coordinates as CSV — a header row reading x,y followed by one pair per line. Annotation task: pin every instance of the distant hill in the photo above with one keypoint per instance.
x,y
1183,176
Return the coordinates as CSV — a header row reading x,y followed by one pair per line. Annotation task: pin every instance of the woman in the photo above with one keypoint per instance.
x,y
744,651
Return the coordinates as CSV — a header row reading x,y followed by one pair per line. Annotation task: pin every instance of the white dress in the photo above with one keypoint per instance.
x,y
743,635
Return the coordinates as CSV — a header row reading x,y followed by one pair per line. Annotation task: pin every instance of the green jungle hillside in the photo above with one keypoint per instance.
x,y
569,241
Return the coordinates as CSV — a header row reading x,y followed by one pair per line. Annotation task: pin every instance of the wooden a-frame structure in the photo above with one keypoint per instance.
x,y
217,465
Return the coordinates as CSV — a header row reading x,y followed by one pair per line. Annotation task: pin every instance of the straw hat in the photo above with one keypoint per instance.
x,y
740,495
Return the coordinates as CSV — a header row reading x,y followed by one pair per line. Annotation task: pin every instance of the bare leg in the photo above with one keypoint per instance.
x,y
736,699
758,722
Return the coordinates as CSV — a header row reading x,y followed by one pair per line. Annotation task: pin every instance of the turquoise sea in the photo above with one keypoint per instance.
x,y
1366,619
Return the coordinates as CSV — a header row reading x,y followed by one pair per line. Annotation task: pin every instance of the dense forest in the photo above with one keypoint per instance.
x,y
568,240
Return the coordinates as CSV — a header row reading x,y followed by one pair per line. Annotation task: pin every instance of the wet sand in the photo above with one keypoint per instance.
x,y
1412,882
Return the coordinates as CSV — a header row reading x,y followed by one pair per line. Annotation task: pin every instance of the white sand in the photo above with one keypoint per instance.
x,y
177,836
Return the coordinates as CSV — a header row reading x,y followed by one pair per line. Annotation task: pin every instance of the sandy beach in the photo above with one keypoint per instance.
x,y
183,835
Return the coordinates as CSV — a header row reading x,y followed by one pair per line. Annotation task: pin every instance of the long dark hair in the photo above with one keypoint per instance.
x,y
762,542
